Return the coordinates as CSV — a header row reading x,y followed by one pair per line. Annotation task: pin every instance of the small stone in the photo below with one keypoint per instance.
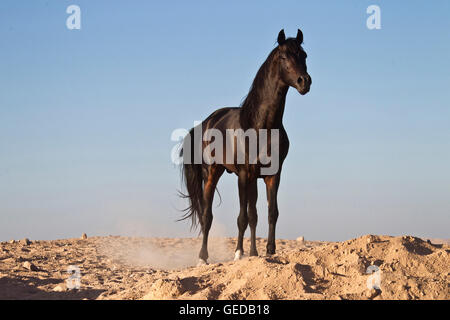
x,y
60,288
301,240
25,241
12,241
28,265
370,239
372,293
84,236
377,297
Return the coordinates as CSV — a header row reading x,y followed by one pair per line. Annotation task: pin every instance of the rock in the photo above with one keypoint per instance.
x,y
370,239
28,265
372,293
12,241
301,240
60,288
25,242
84,236
378,297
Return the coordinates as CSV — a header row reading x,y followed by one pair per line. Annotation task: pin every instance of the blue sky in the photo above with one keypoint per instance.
x,y
86,115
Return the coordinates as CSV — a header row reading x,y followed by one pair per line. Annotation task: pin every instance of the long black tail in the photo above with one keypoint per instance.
x,y
191,175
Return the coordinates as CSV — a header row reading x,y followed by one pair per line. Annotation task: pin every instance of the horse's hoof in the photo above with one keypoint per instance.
x,y
254,254
201,262
237,255
270,250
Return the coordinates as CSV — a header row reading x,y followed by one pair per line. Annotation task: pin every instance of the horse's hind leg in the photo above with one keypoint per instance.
x,y
252,214
242,220
214,172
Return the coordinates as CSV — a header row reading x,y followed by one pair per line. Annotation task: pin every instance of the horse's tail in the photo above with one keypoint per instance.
x,y
191,175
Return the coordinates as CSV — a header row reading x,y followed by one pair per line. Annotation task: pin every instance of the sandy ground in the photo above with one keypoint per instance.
x,y
153,268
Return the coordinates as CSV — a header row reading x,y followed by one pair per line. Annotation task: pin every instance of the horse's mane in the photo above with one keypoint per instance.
x,y
249,106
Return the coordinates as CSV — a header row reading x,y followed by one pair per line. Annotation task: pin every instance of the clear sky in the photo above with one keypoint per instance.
x,y
86,115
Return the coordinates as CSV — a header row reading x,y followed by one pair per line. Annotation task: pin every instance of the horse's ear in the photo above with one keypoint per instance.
x,y
281,37
300,36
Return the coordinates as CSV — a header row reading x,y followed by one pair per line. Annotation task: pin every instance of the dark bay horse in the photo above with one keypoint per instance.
x,y
262,111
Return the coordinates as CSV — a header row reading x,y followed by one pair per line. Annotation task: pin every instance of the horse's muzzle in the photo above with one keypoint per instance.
x,y
304,84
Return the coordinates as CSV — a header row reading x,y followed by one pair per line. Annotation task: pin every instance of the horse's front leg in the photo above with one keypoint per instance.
x,y
272,184
252,214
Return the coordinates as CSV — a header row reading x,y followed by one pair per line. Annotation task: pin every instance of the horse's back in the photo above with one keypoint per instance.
x,y
224,118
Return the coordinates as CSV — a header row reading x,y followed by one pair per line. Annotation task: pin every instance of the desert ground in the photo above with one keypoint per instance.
x,y
117,267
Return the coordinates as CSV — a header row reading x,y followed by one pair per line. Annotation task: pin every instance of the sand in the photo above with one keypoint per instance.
x,y
155,268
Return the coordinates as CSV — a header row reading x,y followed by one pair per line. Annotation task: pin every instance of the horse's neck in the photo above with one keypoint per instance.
x,y
271,109
267,109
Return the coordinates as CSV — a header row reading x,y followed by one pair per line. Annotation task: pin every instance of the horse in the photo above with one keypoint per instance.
x,y
261,111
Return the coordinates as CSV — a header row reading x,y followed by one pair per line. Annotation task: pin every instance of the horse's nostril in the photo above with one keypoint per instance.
x,y
300,80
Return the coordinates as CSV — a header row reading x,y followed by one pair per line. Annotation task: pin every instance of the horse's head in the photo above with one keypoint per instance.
x,y
292,61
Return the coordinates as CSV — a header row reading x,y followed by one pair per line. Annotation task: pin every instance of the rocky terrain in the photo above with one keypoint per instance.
x,y
369,267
